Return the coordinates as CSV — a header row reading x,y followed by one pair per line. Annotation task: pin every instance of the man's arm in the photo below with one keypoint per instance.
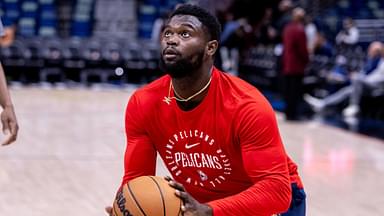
x,y
8,117
265,161
140,154
376,77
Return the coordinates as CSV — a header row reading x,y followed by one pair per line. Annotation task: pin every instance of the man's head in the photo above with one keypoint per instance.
x,y
348,23
298,14
375,49
285,5
189,40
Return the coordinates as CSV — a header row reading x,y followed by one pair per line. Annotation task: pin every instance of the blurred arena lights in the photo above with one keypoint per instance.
x,y
119,71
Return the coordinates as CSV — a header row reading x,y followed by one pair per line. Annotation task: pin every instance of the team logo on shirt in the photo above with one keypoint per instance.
x,y
196,150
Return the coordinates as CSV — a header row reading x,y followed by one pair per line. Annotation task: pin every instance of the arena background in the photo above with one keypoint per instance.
x,y
71,66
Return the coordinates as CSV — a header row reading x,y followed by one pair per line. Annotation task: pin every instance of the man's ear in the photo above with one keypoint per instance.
x,y
212,47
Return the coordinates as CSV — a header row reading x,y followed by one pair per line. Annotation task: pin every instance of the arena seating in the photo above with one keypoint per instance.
x,y
81,42
260,67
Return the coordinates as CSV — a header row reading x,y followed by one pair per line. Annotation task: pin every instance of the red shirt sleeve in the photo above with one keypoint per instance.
x,y
265,162
140,154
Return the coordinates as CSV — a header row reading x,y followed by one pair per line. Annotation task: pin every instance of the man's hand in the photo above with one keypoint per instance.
x,y
190,207
109,211
10,126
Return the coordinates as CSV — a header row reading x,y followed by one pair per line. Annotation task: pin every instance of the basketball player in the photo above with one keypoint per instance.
x,y
8,117
217,134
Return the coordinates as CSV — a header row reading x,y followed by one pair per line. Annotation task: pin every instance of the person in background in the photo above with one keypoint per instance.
x,y
9,123
283,17
322,46
232,41
266,34
349,34
157,27
311,33
295,59
369,78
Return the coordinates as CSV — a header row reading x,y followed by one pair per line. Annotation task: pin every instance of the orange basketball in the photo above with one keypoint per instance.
x,y
147,196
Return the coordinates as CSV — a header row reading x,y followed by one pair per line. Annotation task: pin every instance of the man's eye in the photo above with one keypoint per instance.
x,y
185,34
167,34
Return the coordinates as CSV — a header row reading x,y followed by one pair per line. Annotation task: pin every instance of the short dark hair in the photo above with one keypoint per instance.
x,y
210,22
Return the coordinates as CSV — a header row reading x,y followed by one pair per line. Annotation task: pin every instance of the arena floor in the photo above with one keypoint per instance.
x,y
68,159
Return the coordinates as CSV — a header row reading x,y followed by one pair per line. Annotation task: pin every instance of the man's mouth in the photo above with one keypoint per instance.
x,y
170,53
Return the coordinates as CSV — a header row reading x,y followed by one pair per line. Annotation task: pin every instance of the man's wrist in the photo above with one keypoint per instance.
x,y
7,105
208,210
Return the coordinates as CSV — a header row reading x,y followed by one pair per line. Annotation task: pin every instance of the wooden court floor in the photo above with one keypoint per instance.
x,y
68,159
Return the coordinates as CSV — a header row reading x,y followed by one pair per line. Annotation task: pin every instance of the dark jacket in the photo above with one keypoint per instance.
x,y
295,54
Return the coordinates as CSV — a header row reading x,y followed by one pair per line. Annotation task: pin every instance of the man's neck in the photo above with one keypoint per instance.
x,y
187,86
190,85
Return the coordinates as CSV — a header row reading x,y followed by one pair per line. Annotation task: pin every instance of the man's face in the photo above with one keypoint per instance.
x,y
183,44
347,24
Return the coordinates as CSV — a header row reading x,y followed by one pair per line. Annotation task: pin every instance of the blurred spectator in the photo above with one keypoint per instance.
x,y
339,74
266,34
232,41
295,59
157,27
349,34
321,45
310,32
370,78
285,13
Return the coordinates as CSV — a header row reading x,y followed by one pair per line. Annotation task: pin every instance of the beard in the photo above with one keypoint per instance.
x,y
183,66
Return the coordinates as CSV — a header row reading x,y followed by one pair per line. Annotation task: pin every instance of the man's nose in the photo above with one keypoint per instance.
x,y
172,40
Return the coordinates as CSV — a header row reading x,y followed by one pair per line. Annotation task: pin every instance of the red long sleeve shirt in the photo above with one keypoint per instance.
x,y
227,152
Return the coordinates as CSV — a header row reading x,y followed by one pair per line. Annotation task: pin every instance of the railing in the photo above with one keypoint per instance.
x,y
370,30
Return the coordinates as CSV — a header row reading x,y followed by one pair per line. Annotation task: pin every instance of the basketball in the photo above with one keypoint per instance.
x,y
147,195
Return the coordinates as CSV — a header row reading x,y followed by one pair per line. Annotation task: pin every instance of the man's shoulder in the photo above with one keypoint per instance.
x,y
239,90
294,27
235,82
147,98
153,88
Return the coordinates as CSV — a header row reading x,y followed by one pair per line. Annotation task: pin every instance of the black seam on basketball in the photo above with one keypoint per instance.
x,y
114,210
180,208
136,202
161,194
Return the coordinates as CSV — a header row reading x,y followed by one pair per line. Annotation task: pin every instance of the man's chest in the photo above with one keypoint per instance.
x,y
197,151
